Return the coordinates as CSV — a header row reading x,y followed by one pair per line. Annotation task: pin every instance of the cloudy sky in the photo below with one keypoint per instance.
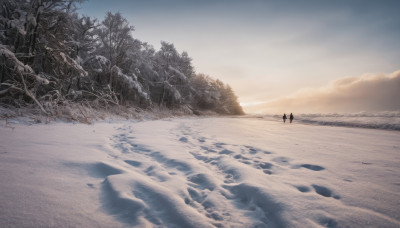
x,y
273,50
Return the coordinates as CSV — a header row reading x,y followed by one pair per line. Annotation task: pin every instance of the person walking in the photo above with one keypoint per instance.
x,y
284,117
291,117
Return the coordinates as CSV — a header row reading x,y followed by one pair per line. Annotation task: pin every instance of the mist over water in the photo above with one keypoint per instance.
x,y
389,120
370,93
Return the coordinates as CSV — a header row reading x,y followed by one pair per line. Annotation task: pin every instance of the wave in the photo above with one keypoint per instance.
x,y
389,120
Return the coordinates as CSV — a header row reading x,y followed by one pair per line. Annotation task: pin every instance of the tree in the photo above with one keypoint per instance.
x,y
174,71
83,38
51,56
230,102
115,38
34,33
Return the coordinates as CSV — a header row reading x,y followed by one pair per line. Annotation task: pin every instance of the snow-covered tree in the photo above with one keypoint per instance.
x,y
115,38
175,71
50,55
214,95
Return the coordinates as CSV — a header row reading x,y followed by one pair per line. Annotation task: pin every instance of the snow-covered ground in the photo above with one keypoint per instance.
x,y
198,172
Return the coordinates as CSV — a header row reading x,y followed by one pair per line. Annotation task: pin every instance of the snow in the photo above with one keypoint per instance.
x,y
129,81
102,60
198,172
19,66
178,73
176,95
69,61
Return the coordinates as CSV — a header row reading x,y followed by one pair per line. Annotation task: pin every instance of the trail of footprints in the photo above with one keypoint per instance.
x,y
265,167
209,152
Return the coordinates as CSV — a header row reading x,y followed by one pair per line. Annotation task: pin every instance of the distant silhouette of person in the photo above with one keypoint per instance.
x,y
284,117
291,117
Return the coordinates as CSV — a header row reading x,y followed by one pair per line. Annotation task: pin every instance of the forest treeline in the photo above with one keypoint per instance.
x,y
51,56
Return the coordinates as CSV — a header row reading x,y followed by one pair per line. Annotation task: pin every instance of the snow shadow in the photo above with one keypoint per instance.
x,y
324,191
313,167
252,198
97,170
125,210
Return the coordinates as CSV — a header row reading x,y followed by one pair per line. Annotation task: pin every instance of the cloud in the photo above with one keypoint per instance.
x,y
353,94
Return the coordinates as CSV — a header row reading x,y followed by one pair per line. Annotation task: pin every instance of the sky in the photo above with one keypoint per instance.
x,y
270,50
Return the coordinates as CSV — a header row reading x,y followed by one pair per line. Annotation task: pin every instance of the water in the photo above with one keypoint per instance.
x,y
375,120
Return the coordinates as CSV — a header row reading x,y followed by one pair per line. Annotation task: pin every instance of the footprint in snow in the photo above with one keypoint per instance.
x,y
265,166
281,160
267,171
251,150
195,195
152,172
327,222
202,181
312,167
203,158
207,149
229,179
133,163
90,185
219,144
226,151
324,191
246,162
303,188
239,156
